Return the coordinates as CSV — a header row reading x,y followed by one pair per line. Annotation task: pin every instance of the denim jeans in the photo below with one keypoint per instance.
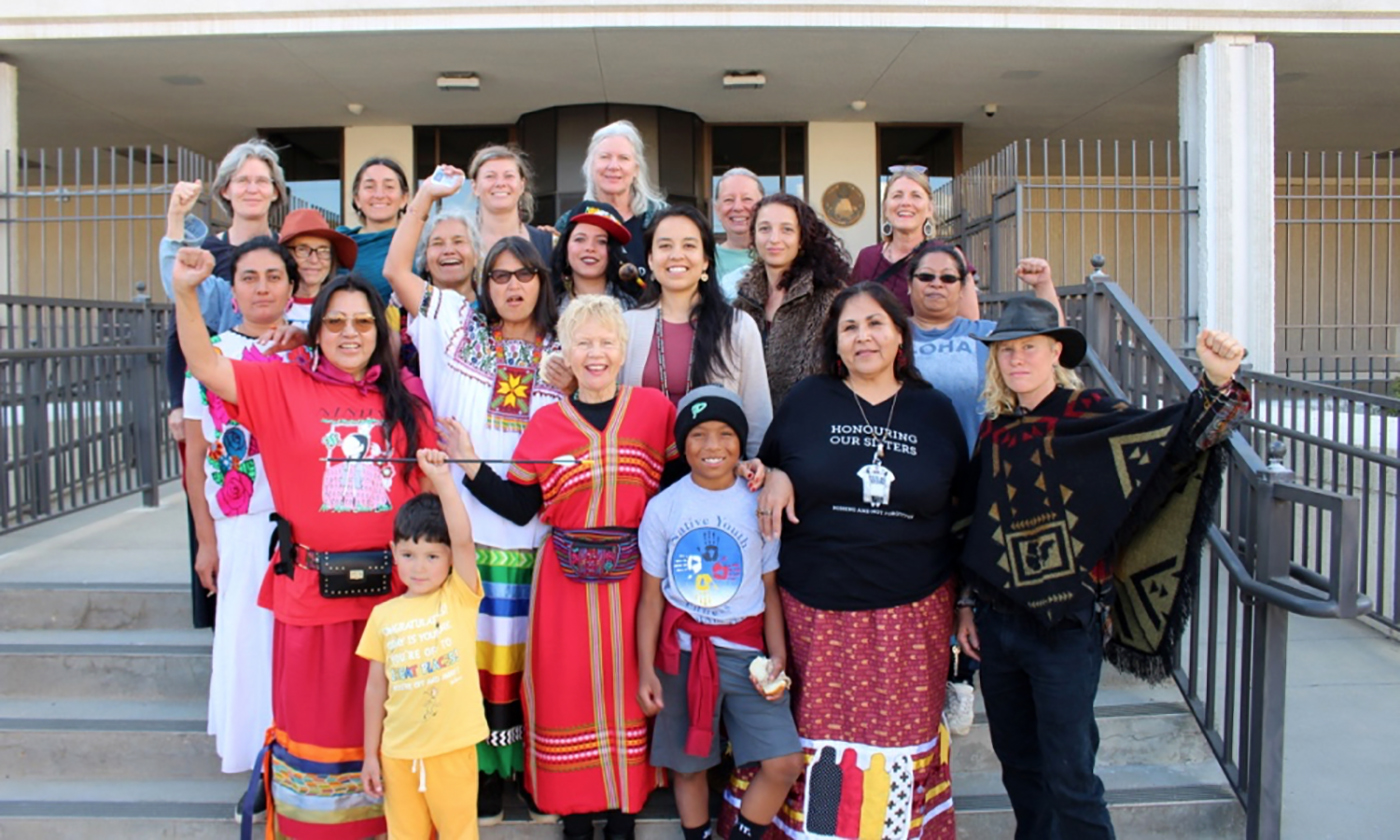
x,y
1038,686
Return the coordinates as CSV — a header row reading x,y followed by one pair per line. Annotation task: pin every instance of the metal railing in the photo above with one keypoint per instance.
x,y
1337,246
82,405
1279,547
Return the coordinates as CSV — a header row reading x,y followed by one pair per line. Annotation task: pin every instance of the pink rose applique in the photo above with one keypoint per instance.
x,y
236,494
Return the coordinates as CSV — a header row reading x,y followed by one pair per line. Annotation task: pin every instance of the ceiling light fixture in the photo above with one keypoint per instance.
x,y
355,108
458,81
736,79
858,105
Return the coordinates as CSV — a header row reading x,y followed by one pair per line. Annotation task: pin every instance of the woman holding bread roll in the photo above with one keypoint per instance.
x,y
865,576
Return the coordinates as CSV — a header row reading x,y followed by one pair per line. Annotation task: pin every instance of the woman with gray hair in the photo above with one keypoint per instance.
x,y
616,172
501,177
737,193
586,465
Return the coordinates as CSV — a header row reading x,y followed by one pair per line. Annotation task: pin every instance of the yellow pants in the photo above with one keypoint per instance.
x,y
438,792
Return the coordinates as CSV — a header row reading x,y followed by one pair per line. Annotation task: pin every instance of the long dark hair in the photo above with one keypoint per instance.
x,y
401,407
712,315
561,275
818,250
265,243
360,173
904,370
546,311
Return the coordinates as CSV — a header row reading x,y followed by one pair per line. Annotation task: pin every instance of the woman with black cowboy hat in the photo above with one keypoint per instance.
x,y
1079,503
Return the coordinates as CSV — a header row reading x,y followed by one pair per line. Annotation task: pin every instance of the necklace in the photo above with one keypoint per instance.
x,y
661,360
875,477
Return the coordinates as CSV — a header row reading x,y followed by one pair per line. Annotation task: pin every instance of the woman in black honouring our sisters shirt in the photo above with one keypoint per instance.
x,y
874,453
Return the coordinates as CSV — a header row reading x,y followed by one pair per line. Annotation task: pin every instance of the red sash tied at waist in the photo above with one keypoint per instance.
x,y
702,690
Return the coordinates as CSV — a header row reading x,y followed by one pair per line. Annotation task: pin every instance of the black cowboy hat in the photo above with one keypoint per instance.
x,y
1026,316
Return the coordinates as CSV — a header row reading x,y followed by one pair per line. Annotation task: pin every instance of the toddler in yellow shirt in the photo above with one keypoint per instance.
x,y
423,708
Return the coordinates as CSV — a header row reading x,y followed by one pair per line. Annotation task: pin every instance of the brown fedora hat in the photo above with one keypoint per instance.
x,y
310,222
1026,316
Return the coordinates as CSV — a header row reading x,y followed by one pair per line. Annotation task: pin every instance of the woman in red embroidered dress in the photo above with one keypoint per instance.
x,y
588,465
343,398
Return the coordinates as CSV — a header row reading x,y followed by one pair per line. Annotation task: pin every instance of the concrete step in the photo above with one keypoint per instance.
x,y
1152,732
94,606
1146,803
60,739
109,664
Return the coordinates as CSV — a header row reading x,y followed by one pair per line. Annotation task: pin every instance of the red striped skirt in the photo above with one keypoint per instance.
x,y
868,691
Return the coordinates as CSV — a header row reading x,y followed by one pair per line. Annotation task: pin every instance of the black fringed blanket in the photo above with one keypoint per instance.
x,y
1088,490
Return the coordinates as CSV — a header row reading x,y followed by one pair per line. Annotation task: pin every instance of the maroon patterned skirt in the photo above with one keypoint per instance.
x,y
868,700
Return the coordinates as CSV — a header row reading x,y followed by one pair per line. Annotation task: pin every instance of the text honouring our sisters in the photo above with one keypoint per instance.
x,y
870,436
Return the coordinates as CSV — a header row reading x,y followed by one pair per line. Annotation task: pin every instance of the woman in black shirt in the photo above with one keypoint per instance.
x,y
865,567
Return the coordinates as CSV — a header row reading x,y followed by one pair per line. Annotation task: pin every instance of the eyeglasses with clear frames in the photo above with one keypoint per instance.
x,y
306,252
336,321
911,168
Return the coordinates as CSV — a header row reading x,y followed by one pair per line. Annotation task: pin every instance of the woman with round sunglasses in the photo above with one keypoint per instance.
x,y
946,351
326,425
480,367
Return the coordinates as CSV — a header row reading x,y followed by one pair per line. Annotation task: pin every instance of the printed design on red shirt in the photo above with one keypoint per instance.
x,y
362,484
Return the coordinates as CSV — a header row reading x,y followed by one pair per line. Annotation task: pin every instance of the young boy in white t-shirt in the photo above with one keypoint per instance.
x,y
710,598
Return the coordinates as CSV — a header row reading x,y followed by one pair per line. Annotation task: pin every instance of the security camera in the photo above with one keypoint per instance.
x,y
990,109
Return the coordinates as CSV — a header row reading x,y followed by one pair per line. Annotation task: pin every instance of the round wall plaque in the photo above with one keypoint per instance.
x,y
843,203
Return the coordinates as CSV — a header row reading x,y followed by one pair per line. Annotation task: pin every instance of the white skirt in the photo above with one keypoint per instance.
x,y
240,686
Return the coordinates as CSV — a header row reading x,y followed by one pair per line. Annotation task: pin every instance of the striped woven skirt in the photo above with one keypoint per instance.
x,y
501,628
318,720
868,690
586,739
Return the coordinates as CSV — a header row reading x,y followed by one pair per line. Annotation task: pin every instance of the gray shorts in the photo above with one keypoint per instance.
x,y
758,729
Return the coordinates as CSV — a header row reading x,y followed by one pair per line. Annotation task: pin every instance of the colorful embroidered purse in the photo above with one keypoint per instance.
x,y
596,555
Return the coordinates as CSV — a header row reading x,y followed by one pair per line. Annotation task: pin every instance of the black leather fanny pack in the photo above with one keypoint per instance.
x,y
343,574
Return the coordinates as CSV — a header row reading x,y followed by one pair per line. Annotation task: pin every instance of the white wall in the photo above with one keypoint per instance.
x,y
9,150
845,151
361,142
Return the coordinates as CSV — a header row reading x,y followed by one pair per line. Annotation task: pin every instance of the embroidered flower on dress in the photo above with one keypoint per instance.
x,y
235,494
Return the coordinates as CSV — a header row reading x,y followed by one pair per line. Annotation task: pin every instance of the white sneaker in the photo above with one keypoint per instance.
x,y
957,708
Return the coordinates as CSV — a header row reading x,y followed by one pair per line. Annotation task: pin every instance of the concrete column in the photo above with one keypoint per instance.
x,y
845,151
366,141
1227,119
9,171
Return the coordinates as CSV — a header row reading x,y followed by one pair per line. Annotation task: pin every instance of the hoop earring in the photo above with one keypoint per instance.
x,y
886,229
928,228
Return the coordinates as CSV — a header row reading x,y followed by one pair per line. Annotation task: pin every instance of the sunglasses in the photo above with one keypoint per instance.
x,y
913,168
335,322
950,279
501,277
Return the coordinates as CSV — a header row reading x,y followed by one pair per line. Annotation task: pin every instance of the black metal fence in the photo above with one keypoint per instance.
x,y
83,402
1281,546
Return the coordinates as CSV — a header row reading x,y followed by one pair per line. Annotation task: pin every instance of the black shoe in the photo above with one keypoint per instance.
x,y
536,815
259,808
490,799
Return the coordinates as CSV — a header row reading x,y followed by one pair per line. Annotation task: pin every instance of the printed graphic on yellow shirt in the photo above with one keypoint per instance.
x,y
420,655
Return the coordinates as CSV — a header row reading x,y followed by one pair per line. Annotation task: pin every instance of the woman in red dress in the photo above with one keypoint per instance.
x,y
588,465
342,399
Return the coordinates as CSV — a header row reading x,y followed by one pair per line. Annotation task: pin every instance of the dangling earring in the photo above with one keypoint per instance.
x,y
899,358
235,305
704,275
928,228
840,368
315,357
886,229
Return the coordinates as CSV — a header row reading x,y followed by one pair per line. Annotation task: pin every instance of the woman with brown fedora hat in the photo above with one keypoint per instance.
x,y
320,252
1079,506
